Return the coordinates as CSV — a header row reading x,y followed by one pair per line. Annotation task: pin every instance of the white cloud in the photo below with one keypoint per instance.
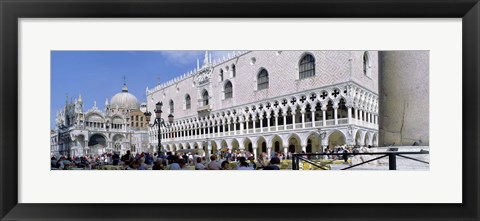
x,y
181,57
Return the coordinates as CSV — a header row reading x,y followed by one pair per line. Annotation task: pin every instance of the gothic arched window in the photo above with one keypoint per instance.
x,y
172,109
262,80
205,98
228,90
307,66
221,74
234,70
366,63
188,102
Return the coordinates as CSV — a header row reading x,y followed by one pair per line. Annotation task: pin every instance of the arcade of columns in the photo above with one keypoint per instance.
x,y
348,115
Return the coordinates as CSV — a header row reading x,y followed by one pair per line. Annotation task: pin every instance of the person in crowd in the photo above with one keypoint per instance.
x,y
170,157
274,162
175,165
148,158
225,165
127,158
262,160
115,159
143,165
251,162
345,155
53,162
158,165
326,151
134,165
183,164
213,165
199,165
155,156
244,165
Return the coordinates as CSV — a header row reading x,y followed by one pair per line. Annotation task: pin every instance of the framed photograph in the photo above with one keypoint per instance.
x,y
314,108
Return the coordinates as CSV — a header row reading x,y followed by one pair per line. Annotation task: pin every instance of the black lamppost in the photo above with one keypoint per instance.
x,y
160,122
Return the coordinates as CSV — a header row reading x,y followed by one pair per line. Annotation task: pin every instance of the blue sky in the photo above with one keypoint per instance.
x,y
97,75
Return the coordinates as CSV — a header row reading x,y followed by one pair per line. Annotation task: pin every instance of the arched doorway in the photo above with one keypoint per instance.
x,y
294,145
314,141
309,146
336,139
366,140
277,146
97,144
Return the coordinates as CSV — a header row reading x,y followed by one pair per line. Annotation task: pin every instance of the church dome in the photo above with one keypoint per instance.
x,y
124,100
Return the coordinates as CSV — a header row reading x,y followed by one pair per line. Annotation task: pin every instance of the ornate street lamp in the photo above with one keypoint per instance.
x,y
160,122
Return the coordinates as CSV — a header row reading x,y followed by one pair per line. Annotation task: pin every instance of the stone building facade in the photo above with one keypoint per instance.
x,y
95,132
265,101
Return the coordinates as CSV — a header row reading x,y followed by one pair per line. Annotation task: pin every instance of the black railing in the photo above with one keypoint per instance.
x,y
392,158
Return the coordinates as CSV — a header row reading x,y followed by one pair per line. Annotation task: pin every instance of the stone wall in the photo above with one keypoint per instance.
x,y
403,97
332,67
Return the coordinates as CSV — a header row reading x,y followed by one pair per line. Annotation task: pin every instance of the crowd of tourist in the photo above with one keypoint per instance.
x,y
222,160
169,161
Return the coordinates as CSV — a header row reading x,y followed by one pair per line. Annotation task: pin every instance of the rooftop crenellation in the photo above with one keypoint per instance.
x,y
190,73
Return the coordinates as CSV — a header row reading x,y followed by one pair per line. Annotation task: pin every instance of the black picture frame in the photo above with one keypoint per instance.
x,y
11,11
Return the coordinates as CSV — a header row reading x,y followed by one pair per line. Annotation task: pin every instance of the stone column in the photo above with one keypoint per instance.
x,y
241,125
303,117
403,97
261,123
313,116
324,110
268,122
207,154
235,127
356,115
254,119
294,113
335,111
284,120
229,128
254,151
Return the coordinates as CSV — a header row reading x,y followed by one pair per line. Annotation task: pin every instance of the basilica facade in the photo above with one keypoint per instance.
x,y
264,101
121,126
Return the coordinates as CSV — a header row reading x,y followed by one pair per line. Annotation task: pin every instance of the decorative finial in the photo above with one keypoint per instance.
x,y
124,80
205,59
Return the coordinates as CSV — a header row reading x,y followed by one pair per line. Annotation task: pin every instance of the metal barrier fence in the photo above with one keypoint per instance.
x,y
392,158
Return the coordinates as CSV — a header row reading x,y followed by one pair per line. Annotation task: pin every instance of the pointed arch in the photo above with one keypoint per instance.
x,y
228,90
262,79
306,66
188,101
